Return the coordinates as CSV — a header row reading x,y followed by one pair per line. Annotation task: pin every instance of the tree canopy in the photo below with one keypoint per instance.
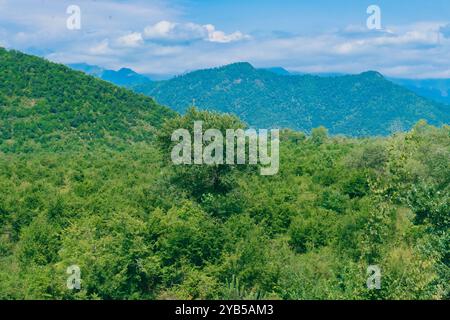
x,y
86,180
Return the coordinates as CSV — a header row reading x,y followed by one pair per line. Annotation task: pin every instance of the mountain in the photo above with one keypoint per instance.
x,y
278,70
435,89
123,77
84,186
283,72
47,104
355,105
92,70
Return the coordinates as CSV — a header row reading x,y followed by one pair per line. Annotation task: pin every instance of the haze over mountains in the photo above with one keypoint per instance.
x,y
435,89
123,77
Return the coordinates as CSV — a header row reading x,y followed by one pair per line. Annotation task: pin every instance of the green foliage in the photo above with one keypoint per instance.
x,y
355,185
98,191
235,291
312,230
200,180
185,234
39,243
319,135
49,106
138,234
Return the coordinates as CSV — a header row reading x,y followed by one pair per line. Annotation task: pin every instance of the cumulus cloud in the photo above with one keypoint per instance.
x,y
102,48
130,40
174,32
172,48
149,36
418,37
220,36
185,32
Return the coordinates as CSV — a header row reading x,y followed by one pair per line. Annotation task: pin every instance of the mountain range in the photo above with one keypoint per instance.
x,y
69,102
366,104
434,89
123,77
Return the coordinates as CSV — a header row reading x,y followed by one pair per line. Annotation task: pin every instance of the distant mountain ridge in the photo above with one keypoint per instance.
x,y
284,72
357,105
302,106
435,89
123,77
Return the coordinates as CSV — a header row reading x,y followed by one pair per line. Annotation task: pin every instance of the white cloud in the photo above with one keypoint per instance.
x,y
185,32
220,36
149,37
161,30
130,40
172,48
401,51
174,32
102,48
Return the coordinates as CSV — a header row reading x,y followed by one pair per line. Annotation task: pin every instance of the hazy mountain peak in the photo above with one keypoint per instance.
x,y
122,77
238,66
127,72
371,73
278,70
87,68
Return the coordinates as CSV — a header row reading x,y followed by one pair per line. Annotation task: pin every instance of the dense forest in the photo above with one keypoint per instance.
x,y
360,105
86,179
47,106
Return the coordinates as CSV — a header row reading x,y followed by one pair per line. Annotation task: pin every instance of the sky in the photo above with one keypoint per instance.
x,y
168,37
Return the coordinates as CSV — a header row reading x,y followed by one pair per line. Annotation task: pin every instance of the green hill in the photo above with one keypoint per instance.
x,y
85,183
43,104
355,105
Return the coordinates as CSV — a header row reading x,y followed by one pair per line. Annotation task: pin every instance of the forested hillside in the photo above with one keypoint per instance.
x,y
354,105
86,180
46,105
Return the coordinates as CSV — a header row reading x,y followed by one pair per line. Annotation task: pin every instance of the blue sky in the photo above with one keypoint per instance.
x,y
171,37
